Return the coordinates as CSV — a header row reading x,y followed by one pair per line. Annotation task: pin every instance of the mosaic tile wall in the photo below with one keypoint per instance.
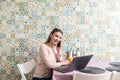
x,y
91,25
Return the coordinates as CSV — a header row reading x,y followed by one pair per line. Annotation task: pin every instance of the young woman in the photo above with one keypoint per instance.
x,y
49,56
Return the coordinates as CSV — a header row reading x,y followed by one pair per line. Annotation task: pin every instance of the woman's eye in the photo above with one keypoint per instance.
x,y
60,37
56,35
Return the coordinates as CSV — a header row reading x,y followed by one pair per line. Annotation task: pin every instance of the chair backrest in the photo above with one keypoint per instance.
x,y
26,68
115,75
86,76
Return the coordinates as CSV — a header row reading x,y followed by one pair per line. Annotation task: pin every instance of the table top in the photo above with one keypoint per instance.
x,y
68,76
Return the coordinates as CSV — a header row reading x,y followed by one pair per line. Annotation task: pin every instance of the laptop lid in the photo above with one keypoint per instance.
x,y
79,63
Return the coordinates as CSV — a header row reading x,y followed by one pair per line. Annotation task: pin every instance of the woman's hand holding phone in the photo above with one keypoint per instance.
x,y
59,47
58,51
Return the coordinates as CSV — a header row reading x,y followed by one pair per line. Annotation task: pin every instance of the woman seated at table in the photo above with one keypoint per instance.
x,y
49,56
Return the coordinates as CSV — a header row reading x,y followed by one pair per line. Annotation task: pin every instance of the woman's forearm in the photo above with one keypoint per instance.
x,y
58,57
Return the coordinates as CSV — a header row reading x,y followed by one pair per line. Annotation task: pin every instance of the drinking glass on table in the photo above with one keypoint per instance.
x,y
70,57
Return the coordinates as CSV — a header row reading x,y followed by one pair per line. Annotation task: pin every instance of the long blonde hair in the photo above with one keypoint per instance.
x,y
52,32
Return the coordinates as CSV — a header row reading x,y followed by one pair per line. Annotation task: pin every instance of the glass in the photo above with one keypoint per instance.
x,y
70,59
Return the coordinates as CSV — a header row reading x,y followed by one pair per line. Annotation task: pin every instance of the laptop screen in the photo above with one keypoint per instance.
x,y
81,62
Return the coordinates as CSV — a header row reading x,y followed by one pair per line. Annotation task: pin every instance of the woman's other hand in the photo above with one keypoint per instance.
x,y
65,62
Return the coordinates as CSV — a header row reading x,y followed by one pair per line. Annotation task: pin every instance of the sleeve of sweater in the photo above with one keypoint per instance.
x,y
47,60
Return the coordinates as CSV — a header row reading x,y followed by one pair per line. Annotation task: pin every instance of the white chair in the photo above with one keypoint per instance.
x,y
115,75
86,76
26,68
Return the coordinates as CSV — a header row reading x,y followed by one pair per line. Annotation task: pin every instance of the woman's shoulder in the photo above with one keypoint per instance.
x,y
43,46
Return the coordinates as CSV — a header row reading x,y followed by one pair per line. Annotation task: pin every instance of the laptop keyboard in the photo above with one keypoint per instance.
x,y
63,67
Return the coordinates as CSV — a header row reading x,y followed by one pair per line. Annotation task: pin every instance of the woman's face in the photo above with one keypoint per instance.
x,y
56,38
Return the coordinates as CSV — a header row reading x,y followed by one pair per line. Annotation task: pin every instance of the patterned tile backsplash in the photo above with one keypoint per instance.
x,y
91,25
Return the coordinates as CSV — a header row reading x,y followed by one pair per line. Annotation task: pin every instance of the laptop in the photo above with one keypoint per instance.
x,y
77,63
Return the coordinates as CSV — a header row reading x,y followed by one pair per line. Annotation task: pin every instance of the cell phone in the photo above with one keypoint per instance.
x,y
59,44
